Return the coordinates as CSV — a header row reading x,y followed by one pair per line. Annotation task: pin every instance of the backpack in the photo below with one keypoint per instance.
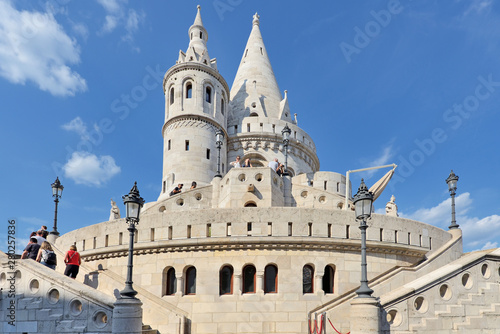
x,y
51,258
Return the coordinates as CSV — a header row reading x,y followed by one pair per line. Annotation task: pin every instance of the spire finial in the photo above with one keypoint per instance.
x,y
256,18
199,7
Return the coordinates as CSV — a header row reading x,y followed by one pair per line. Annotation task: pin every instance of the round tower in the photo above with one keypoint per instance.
x,y
196,103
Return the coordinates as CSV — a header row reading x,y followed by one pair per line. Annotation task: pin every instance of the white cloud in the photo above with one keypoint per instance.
x,y
116,15
77,125
478,233
479,7
34,47
89,169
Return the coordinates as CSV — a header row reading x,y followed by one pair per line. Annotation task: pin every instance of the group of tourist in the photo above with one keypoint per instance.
x,y
40,250
275,165
178,189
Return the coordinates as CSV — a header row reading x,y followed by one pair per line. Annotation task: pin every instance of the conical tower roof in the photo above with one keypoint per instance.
x,y
255,89
197,50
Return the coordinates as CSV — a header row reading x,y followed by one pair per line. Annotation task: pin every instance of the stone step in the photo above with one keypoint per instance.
x,y
146,329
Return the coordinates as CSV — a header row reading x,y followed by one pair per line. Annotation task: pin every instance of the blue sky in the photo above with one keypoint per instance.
x,y
416,83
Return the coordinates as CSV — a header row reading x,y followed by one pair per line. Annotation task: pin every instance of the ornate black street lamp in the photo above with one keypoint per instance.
x,y
57,189
363,207
452,187
286,139
133,204
219,140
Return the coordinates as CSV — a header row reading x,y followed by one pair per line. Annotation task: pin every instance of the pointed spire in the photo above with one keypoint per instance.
x,y
197,49
255,67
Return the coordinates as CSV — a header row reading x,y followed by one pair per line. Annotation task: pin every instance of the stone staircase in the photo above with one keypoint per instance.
x,y
146,329
470,312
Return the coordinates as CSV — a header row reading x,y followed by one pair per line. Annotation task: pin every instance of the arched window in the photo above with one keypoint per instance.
x,y
189,91
307,279
222,106
208,94
171,286
328,277
171,95
249,279
190,281
201,34
226,281
250,204
271,279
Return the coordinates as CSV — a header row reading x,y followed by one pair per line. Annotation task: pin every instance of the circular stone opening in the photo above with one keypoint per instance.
x,y
34,286
467,281
254,105
180,202
394,318
53,296
303,194
198,196
258,177
18,276
485,271
100,319
75,307
162,208
242,177
445,292
322,199
421,304
3,278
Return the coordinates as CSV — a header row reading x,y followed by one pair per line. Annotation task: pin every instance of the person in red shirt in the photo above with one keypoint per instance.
x,y
72,260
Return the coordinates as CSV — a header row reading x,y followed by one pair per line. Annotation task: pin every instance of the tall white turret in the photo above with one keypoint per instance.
x,y
196,100
259,113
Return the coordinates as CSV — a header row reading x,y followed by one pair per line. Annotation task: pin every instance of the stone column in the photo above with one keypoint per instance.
x,y
260,282
127,316
364,316
318,283
237,284
180,285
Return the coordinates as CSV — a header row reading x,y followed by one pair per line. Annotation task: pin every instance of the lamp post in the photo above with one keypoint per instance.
x,y
286,139
452,187
219,140
133,204
363,207
57,189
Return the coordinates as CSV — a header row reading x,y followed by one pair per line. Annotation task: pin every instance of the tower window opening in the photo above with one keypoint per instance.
x,y
120,238
188,234
328,279
261,52
169,145
191,281
329,230
269,229
409,238
271,279
396,236
246,52
169,233
274,128
191,35
106,241
338,186
295,134
187,145
223,168
248,127
94,244
261,127
222,106
249,228
309,229
208,94
201,34
226,281
228,229
209,230
290,229
381,234
236,128
347,232
152,234
208,153
249,279
307,279
324,185
189,91
171,286
171,95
